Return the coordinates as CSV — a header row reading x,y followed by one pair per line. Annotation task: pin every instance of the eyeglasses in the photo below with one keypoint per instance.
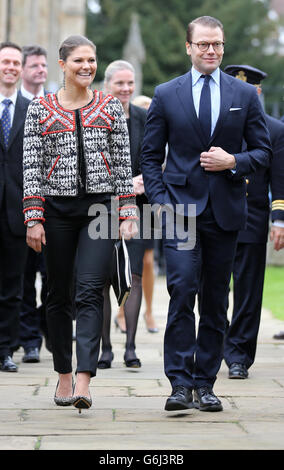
x,y
204,46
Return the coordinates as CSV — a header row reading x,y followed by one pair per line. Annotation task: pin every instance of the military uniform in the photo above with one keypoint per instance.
x,y
250,259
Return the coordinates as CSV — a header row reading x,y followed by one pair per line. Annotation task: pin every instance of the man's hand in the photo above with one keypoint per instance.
x,y
36,237
128,228
277,236
217,159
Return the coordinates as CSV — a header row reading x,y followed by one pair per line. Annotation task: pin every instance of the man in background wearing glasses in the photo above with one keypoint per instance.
x,y
203,117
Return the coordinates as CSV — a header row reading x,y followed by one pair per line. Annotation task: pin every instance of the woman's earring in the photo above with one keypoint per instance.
x,y
63,84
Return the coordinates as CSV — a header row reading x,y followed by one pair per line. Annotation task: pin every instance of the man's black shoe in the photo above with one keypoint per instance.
x,y
279,335
205,400
7,365
180,399
238,371
31,355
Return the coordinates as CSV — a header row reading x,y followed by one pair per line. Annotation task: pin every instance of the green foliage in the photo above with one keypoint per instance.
x,y
273,292
163,27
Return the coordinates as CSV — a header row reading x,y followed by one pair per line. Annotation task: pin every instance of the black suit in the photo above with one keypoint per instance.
x,y
13,246
136,247
137,122
250,260
33,318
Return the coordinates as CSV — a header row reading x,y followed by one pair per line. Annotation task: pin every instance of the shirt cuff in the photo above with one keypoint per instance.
x,y
278,223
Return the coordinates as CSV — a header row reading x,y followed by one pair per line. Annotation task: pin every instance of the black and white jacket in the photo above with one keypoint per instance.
x,y
50,160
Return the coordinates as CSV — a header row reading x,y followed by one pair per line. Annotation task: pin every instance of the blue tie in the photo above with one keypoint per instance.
x,y
205,107
6,121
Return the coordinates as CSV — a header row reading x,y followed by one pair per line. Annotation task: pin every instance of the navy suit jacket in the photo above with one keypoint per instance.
x,y
172,120
11,169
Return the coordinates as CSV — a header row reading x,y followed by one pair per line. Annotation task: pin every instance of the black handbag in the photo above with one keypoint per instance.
x,y
121,277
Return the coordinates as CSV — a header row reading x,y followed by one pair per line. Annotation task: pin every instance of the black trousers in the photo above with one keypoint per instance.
x,y
67,241
248,275
13,251
32,318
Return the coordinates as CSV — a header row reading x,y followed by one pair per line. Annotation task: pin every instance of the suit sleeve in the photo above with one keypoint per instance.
x,y
120,151
258,153
32,166
153,151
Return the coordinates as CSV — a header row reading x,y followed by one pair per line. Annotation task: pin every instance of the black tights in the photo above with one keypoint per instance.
x,y
131,313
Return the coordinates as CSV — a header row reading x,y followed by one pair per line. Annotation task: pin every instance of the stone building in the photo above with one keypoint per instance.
x,y
43,22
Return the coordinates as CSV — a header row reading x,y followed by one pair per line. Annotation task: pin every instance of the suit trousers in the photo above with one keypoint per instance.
x,y
191,359
13,252
32,318
67,241
248,275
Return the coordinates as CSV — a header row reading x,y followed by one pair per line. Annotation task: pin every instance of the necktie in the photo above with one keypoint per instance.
x,y
205,108
6,121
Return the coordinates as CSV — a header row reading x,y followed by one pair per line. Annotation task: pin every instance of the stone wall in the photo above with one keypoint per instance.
x,y
44,22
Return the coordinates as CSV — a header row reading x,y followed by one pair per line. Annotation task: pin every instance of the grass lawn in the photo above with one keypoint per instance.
x,y
273,293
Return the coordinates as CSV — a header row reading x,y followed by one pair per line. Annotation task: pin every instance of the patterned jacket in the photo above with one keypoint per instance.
x,y
50,161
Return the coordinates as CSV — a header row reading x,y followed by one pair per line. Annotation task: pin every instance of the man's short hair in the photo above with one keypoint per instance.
x,y
13,45
33,50
209,21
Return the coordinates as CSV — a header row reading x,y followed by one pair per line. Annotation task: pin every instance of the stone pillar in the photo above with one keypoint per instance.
x,y
134,52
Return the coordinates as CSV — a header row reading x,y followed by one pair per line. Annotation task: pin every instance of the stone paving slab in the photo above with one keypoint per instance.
x,y
145,438
18,443
128,405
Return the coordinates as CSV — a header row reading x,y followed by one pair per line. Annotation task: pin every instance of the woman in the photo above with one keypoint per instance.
x,y
120,82
148,275
76,157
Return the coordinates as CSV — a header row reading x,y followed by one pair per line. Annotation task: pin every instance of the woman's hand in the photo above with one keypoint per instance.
x,y
36,237
128,228
138,185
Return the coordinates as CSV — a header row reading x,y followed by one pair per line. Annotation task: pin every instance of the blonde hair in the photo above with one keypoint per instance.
x,y
142,101
115,66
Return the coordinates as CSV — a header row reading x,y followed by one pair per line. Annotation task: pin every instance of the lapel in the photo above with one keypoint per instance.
x,y
1,136
184,93
134,128
20,111
226,91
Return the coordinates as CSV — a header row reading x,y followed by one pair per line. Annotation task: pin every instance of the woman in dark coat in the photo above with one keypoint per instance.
x,y
120,82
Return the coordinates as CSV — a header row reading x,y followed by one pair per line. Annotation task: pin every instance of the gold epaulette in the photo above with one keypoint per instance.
x,y
278,205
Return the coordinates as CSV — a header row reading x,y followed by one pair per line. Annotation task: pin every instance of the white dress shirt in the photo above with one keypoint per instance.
x,y
13,98
31,96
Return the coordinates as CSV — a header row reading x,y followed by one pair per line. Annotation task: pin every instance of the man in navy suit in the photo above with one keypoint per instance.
x,y
203,117
250,259
33,318
13,248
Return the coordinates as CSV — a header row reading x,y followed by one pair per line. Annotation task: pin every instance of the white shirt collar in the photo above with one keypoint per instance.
x,y
29,95
13,97
196,76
